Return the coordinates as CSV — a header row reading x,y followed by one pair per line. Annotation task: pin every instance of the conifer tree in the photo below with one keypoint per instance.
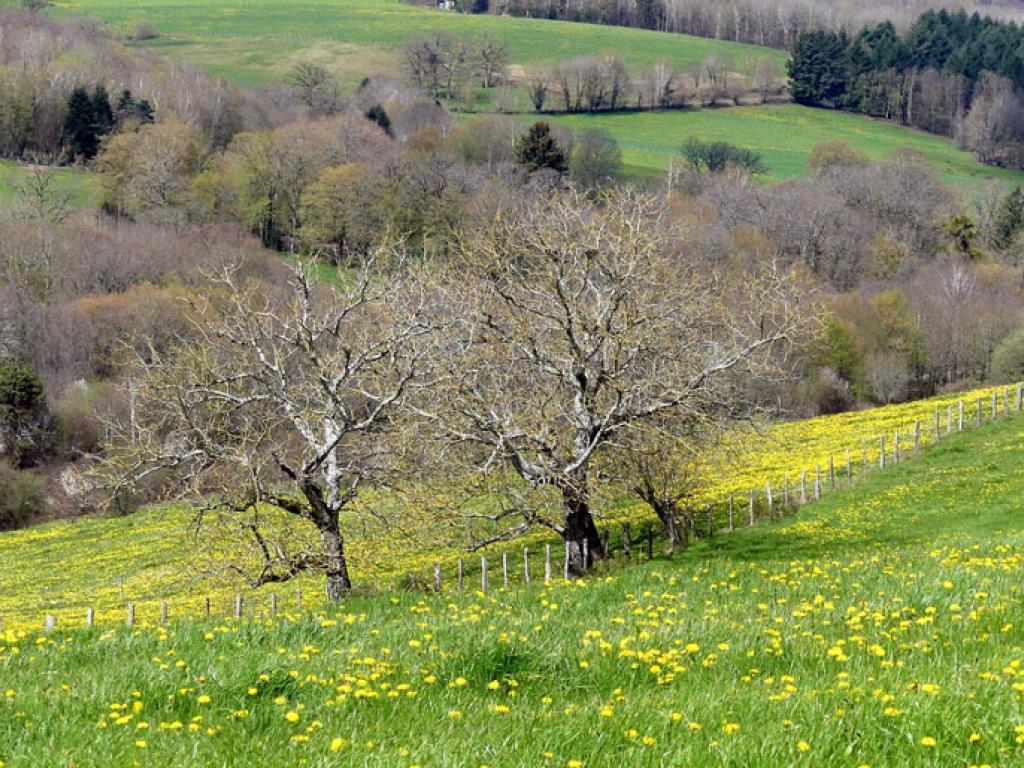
x,y
538,148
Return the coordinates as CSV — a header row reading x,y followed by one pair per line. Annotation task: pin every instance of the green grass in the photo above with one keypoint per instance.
x,y
259,40
80,184
784,135
886,616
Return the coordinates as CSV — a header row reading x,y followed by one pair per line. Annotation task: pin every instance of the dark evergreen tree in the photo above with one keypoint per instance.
x,y
1009,220
817,69
380,117
103,114
80,129
131,110
538,148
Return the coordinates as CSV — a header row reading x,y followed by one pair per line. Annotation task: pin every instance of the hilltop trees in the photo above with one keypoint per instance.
x,y
817,69
577,323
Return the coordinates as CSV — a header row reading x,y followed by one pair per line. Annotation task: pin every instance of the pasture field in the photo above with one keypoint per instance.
x,y
154,556
883,626
784,135
253,41
80,185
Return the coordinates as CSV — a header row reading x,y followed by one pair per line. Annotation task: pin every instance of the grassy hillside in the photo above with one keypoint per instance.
x,y
883,626
259,40
153,555
80,185
784,135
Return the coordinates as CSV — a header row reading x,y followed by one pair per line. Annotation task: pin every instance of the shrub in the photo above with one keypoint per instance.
x,y
1008,358
144,30
22,496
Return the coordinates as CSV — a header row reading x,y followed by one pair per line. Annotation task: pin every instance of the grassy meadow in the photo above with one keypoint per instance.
x,y
155,555
784,135
80,185
259,40
882,626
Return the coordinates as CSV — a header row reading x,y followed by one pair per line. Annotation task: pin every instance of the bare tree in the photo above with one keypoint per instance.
x,y
316,88
579,323
289,404
490,57
39,197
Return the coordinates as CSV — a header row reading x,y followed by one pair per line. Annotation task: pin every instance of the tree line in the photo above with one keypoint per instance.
x,y
949,73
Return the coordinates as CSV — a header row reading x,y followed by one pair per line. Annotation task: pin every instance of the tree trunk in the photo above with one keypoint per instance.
x,y
675,534
335,564
580,528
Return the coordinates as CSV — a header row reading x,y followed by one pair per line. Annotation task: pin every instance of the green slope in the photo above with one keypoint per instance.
x,y
256,40
784,135
883,626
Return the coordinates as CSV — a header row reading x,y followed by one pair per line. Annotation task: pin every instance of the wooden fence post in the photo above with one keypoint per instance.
x,y
896,447
483,574
627,541
768,498
50,623
1006,401
831,473
917,435
849,467
949,418
238,606
437,578
881,453
526,566
732,527
207,601
1020,396
751,520
130,621
817,483
803,487
504,570
960,416
547,563
711,522
938,434
995,404
90,618
461,576
981,414
785,492
163,611
273,605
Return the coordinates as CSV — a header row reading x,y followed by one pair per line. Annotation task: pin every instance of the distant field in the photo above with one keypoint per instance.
x,y
81,185
259,40
784,135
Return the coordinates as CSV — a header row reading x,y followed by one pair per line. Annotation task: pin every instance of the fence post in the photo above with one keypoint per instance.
x,y
483,574
817,483
90,618
504,569
949,418
50,623
881,454
803,487
238,606
627,540
1006,401
751,520
849,467
526,566
732,527
437,578
1020,396
163,611
547,563
917,435
995,404
207,607
130,621
960,416
831,473
785,492
896,447
768,497
298,598
938,434
273,605
461,576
